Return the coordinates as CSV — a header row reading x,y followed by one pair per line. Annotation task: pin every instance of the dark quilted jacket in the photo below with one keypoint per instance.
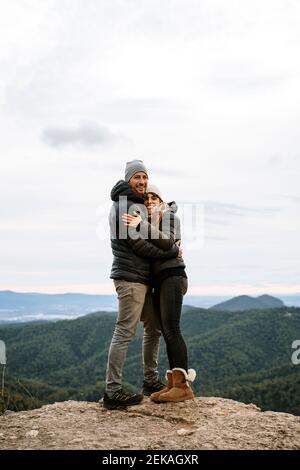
x,y
132,256
170,229
168,233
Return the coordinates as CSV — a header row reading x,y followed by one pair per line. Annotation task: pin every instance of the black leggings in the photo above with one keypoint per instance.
x,y
168,299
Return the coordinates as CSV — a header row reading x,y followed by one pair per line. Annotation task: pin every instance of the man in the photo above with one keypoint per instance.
x,y
131,274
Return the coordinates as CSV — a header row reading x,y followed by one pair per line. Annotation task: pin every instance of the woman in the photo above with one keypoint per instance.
x,y
170,283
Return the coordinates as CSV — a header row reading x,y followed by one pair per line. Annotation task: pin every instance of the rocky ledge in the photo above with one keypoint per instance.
x,y
203,423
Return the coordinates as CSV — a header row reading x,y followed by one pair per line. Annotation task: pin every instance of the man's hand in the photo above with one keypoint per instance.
x,y
131,220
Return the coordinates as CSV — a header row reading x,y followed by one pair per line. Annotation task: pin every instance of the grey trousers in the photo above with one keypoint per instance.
x,y
135,304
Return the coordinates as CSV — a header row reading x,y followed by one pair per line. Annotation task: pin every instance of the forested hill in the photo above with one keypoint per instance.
x,y
245,302
240,355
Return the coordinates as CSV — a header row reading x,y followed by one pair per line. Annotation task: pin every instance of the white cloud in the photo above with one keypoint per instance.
x,y
206,93
88,134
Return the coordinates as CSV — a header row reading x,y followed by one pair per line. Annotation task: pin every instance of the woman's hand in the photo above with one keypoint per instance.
x,y
155,212
178,243
131,220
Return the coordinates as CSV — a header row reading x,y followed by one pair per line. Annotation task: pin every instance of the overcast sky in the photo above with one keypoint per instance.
x,y
206,92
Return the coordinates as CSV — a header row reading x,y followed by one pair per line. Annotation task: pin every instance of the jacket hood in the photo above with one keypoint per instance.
x,y
122,188
173,207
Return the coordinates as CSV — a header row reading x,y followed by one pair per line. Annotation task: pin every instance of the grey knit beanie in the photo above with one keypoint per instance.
x,y
155,190
134,167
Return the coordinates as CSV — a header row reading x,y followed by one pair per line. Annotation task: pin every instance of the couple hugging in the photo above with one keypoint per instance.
x,y
150,280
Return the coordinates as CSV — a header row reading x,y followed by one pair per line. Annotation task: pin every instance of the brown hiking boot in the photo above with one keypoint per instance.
x,y
169,377
181,389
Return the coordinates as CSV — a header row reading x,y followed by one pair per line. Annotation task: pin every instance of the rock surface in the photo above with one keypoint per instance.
x,y
205,423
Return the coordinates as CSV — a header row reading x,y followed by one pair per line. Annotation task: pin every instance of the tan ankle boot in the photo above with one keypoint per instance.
x,y
181,389
169,377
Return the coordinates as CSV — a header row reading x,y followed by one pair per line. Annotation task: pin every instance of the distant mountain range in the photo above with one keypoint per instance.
x,y
20,307
245,302
27,307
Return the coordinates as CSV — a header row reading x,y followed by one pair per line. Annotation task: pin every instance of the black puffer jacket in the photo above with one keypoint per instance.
x,y
167,233
132,256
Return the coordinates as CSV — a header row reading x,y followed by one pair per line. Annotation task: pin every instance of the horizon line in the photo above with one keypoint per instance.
x,y
192,294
